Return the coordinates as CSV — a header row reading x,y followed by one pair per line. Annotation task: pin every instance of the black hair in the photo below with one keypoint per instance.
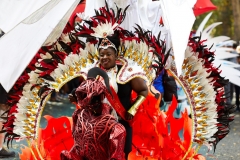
x,y
81,1
235,45
73,93
96,71
3,95
113,38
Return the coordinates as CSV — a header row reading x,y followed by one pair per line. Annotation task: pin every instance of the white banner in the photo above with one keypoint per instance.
x,y
12,12
179,17
20,45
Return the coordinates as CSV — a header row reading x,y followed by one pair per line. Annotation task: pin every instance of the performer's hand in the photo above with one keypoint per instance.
x,y
128,116
71,98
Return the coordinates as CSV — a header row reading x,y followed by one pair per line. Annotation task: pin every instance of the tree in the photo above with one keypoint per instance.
x,y
223,14
236,19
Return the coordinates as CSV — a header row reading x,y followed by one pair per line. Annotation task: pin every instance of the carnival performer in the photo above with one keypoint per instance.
x,y
107,58
108,61
96,133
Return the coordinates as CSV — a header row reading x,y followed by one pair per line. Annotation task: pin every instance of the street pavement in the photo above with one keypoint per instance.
x,y
55,110
227,149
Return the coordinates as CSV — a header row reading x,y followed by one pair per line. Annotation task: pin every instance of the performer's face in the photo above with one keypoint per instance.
x,y
107,58
95,105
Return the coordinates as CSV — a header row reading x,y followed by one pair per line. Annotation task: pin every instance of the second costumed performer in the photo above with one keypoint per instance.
x,y
97,135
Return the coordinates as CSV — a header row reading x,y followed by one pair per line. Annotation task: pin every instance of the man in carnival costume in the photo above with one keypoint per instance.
x,y
101,137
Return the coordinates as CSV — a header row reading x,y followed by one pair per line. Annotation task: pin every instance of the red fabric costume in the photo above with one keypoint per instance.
x,y
97,136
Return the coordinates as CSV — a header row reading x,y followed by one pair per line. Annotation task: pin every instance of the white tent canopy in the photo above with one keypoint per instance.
x,y
12,12
19,45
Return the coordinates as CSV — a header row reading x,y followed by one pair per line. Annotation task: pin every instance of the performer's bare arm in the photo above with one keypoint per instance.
x,y
139,86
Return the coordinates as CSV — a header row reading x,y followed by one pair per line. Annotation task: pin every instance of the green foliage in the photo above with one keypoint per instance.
x,y
223,14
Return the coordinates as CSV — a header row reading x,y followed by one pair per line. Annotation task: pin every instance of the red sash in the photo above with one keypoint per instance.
x,y
115,103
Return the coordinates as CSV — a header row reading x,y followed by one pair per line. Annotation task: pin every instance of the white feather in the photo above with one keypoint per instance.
x,y
201,26
22,110
207,31
215,41
20,116
33,77
23,101
68,61
46,56
102,29
90,48
188,52
27,87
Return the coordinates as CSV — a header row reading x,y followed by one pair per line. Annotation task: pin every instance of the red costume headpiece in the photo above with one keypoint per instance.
x,y
91,88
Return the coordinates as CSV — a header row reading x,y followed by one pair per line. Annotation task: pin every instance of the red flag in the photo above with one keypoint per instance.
x,y
80,8
203,6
